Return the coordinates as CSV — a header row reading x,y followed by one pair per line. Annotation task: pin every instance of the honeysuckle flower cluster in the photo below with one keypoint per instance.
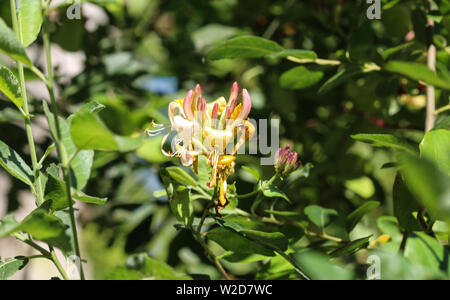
x,y
216,130
286,161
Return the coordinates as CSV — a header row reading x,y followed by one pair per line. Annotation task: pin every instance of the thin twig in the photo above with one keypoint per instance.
x,y
431,62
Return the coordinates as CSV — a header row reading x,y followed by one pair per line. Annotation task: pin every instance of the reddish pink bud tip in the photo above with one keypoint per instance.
x,y
203,104
215,111
246,104
228,112
198,90
187,105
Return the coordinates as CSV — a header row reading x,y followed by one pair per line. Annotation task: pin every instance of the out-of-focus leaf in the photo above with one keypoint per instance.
x,y
321,217
181,176
393,266
297,53
429,184
9,85
89,132
435,146
339,78
424,250
80,196
15,165
151,151
405,205
300,78
362,186
318,267
417,71
355,216
141,266
351,247
385,140
245,47
254,172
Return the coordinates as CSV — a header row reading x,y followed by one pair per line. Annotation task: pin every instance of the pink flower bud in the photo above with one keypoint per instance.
x,y
215,111
233,96
187,105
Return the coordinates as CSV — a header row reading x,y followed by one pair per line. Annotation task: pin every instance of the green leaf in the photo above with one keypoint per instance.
x,y
351,247
385,54
256,231
80,196
9,85
11,46
89,132
30,19
42,225
254,172
8,225
397,267
237,243
81,161
428,184
418,71
275,240
318,267
424,250
339,78
354,217
321,217
300,78
15,165
297,53
385,140
435,146
242,257
55,191
179,199
272,191
9,267
179,175
244,47
151,150
141,266
405,205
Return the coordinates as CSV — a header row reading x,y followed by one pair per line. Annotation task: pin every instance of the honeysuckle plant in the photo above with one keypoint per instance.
x,y
214,130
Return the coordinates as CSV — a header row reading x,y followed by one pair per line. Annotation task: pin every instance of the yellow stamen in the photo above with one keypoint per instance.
x,y
236,112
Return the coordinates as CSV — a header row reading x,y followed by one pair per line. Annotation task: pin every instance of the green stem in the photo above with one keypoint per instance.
x,y
39,193
210,254
58,265
442,109
261,188
58,138
44,254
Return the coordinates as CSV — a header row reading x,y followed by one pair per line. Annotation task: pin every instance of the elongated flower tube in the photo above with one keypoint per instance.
x,y
215,130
